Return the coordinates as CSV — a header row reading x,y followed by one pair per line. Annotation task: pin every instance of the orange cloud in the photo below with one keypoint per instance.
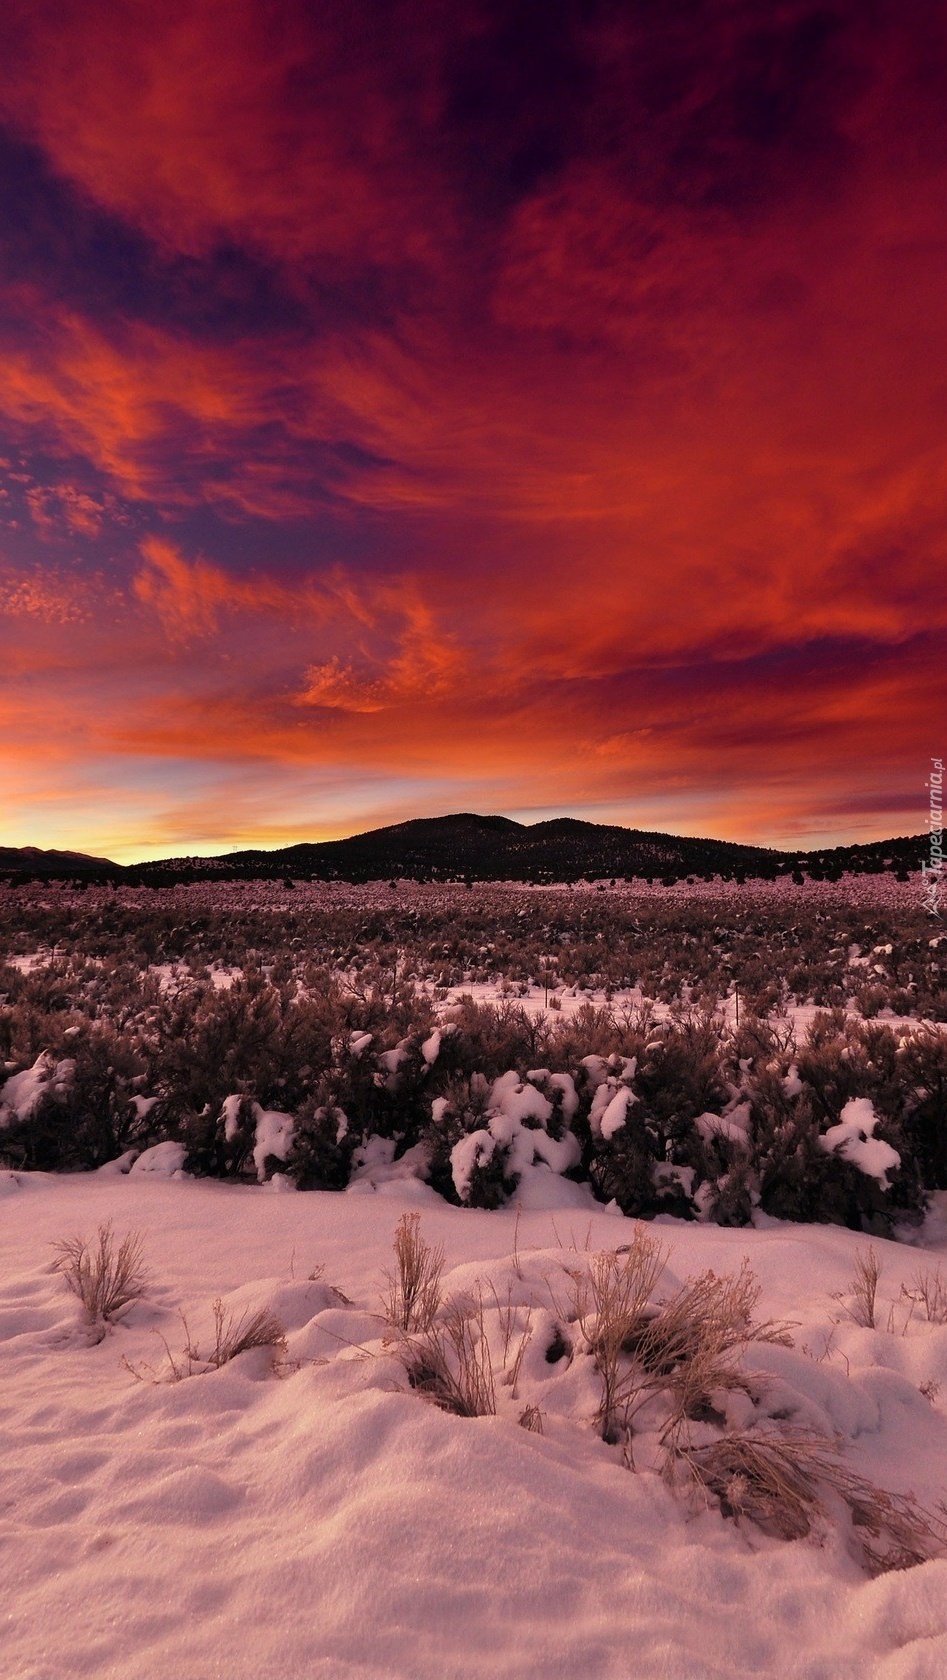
x,y
425,666
117,402
189,595
52,597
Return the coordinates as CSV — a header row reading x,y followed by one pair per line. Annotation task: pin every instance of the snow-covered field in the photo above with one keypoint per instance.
x,y
325,1521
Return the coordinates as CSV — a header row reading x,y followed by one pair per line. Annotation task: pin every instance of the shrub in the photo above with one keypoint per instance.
x,y
323,1144
922,1067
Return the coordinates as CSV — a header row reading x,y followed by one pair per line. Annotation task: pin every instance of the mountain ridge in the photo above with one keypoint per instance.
x,y
465,845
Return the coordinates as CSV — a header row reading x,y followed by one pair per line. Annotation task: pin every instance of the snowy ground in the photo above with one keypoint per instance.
x,y
328,1523
566,1001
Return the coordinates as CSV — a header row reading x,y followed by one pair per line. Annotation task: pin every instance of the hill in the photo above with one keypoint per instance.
x,y
33,863
465,846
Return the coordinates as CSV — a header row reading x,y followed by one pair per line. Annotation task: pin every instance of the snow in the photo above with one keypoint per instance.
x,y
474,1150
616,1113
273,1137
164,1160
733,1125
852,1138
792,1084
612,1099
326,1521
564,1084
430,1049
230,1115
375,1169
28,961
22,1093
517,1118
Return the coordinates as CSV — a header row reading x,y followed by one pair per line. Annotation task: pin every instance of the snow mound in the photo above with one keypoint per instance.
x,y
164,1160
321,1517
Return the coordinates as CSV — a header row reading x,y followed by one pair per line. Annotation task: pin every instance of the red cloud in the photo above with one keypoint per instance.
x,y
222,121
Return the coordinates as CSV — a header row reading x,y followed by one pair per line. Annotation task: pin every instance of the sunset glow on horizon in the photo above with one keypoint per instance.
x,y
530,408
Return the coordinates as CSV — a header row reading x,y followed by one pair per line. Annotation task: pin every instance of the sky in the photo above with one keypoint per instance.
x,y
523,406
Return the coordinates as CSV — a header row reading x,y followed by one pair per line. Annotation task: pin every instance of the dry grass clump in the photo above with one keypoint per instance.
x,y
892,1530
232,1335
414,1293
107,1277
531,1418
785,1484
709,1318
686,1345
610,1301
450,1362
863,1288
768,1479
784,1481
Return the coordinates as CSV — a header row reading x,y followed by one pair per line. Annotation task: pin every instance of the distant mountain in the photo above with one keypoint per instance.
x,y
31,862
475,848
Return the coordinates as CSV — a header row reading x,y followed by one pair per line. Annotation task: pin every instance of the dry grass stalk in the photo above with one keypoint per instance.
x,y
450,1363
516,1240
507,1315
617,1289
863,1288
782,1482
106,1277
512,1375
414,1293
179,1366
928,1290
531,1418
507,1312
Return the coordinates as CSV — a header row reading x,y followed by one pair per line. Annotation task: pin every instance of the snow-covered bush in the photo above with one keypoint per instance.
x,y
922,1073
323,1145
518,1135
196,1020
33,1104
